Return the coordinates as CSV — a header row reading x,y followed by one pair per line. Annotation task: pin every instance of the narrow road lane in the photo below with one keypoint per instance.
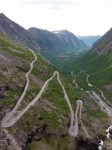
x,y
10,119
10,114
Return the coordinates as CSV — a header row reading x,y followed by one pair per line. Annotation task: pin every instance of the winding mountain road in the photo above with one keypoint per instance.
x,y
79,106
12,117
8,116
73,129
80,117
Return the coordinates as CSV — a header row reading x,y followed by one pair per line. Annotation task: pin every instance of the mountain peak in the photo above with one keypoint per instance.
x,y
2,15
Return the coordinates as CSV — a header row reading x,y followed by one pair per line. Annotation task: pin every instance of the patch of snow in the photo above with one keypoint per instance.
x,y
11,26
55,32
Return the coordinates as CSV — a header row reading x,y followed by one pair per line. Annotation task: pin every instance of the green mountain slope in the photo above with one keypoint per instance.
x,y
50,112
100,70
103,45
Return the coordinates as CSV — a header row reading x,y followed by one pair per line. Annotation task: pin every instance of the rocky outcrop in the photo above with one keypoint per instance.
x,y
88,144
7,141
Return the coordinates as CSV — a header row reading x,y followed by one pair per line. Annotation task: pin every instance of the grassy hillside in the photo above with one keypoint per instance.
x,y
99,67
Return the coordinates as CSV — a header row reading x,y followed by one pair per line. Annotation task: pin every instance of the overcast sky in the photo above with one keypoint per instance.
x,y
82,17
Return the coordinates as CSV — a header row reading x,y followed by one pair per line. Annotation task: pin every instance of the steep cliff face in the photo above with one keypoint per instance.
x,y
103,45
18,33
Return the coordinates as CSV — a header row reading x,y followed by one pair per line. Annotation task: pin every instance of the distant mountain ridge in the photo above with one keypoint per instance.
x,y
70,39
43,41
56,44
49,40
90,39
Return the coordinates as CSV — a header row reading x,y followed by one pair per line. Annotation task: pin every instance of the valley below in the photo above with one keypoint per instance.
x,y
104,106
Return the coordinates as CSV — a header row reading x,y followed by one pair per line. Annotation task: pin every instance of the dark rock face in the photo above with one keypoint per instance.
x,y
110,131
38,133
87,145
1,105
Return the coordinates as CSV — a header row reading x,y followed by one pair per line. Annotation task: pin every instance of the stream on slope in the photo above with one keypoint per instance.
x,y
94,95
